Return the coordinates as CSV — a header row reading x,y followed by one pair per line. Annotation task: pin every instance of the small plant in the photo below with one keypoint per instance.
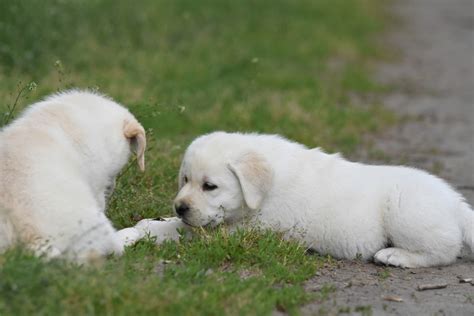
x,y
23,91
384,274
344,310
364,310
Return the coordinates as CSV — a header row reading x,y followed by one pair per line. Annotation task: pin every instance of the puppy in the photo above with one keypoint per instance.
x,y
58,163
397,215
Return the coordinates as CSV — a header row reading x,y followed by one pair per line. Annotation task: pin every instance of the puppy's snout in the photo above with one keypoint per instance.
x,y
181,209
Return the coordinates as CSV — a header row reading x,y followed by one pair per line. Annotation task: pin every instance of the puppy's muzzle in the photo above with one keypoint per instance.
x,y
181,209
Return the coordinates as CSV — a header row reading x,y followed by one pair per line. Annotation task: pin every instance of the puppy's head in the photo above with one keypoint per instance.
x,y
217,185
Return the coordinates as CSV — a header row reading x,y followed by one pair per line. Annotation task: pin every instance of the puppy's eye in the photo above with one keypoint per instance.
x,y
185,179
209,186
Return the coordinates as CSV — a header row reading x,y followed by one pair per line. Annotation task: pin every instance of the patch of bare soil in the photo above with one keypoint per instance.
x,y
362,288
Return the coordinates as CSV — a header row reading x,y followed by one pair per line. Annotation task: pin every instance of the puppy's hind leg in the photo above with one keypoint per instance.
x,y
423,229
422,246
403,258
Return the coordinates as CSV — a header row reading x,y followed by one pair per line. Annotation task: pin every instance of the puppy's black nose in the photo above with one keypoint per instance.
x,y
181,209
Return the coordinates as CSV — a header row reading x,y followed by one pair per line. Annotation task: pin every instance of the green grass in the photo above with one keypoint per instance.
x,y
184,68
215,273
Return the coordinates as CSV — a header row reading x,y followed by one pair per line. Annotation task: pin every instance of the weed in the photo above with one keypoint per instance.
x,y
384,274
22,92
365,310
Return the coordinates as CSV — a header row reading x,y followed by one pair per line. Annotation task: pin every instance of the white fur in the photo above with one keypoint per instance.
x,y
163,229
397,215
58,163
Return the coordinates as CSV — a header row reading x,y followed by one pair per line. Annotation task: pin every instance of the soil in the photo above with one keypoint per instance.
x,y
433,88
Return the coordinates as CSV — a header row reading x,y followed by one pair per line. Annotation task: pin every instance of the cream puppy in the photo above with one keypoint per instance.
x,y
58,163
397,215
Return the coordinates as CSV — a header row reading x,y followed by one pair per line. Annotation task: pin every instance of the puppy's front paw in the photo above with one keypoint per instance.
x,y
128,236
394,257
47,251
163,229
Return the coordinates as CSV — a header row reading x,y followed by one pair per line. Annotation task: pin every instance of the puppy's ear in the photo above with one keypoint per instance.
x,y
136,134
255,178
181,176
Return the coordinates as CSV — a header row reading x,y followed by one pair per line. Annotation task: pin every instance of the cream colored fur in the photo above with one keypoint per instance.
x,y
395,215
58,163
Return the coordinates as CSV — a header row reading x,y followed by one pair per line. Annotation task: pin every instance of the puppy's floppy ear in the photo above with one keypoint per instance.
x,y
255,177
181,176
136,134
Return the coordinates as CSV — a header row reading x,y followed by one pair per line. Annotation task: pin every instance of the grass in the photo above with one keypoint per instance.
x,y
185,68
244,273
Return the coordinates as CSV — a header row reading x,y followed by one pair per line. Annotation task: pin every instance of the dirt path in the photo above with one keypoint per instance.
x,y
434,87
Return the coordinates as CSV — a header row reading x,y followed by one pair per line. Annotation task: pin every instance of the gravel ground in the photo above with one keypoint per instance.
x,y
434,90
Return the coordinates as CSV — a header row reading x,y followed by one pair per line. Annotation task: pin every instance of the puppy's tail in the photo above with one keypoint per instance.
x,y
467,225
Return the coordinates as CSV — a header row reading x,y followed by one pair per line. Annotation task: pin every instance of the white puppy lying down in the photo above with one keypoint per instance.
x,y
58,164
399,216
